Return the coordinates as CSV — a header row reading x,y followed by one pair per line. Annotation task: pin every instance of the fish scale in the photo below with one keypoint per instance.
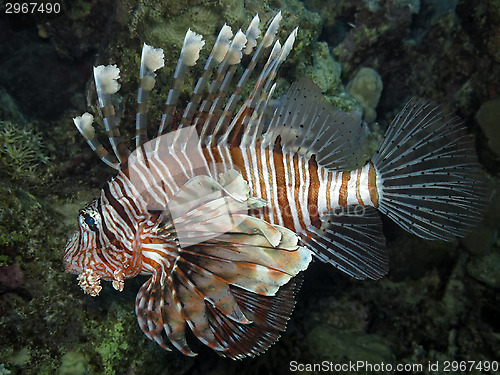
x,y
224,210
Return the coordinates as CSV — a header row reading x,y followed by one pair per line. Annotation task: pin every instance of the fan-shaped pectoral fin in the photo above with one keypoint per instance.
x,y
158,310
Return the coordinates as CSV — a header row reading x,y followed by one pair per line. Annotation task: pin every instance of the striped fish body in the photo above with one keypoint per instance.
x,y
297,190
224,210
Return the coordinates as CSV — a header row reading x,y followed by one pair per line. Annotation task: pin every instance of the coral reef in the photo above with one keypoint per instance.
x,y
22,154
366,87
439,302
73,363
488,118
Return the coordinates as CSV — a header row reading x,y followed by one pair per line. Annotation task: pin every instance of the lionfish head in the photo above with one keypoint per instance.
x,y
85,252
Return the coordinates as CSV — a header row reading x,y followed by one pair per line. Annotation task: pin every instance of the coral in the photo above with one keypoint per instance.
x,y
366,87
11,277
326,71
339,346
488,118
73,363
486,268
21,212
112,345
22,155
481,20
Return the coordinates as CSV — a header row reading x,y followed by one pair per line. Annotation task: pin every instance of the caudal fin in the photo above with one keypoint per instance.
x,y
429,179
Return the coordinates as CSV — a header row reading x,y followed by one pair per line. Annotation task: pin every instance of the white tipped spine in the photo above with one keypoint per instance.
x,y
222,43
275,52
84,125
287,47
106,79
252,34
271,31
152,58
193,43
235,50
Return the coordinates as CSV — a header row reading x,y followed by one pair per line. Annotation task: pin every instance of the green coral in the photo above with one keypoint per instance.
x,y
366,87
22,155
73,363
325,71
21,212
114,343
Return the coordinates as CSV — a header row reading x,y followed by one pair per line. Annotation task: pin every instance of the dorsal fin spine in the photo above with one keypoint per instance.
x,y
152,59
231,134
106,85
233,58
216,56
84,125
190,53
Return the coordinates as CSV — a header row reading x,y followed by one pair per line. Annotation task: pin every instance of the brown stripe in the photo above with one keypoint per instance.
x,y
240,125
283,203
372,185
328,189
263,192
101,151
208,157
346,176
312,198
237,158
251,173
297,189
215,153
358,194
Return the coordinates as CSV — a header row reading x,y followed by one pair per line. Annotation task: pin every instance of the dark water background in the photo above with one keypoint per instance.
x,y
440,301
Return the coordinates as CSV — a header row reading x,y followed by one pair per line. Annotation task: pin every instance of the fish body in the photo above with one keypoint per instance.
x,y
223,209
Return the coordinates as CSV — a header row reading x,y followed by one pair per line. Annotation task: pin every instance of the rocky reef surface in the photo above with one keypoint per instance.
x,y
440,301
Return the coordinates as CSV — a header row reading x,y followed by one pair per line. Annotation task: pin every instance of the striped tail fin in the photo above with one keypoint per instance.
x,y
428,176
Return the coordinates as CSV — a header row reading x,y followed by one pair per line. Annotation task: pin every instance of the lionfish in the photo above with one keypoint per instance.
x,y
227,205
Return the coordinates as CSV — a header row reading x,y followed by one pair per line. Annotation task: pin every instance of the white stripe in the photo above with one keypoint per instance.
x,y
267,186
115,223
335,189
274,186
323,182
227,162
290,186
304,190
364,184
255,172
174,152
134,205
139,170
112,218
246,164
351,188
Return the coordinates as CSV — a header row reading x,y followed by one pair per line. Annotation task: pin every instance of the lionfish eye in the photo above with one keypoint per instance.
x,y
90,221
